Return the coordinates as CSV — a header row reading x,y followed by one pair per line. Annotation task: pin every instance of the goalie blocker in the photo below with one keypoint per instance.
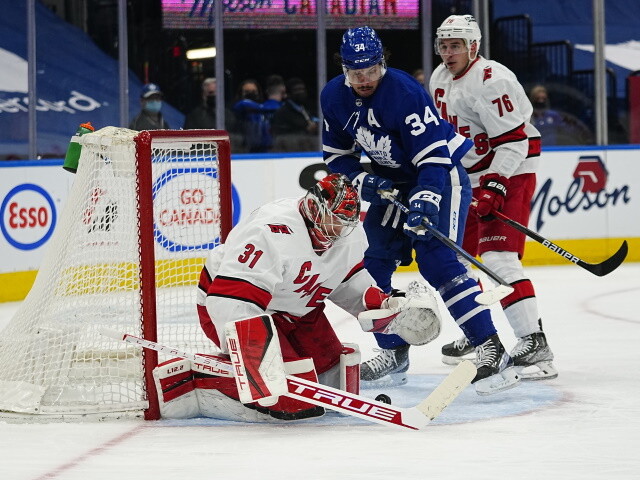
x,y
255,392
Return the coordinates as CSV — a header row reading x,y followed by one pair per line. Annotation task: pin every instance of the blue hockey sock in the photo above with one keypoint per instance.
x,y
389,341
474,319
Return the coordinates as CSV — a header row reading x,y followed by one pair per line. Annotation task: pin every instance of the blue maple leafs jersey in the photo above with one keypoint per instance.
x,y
398,127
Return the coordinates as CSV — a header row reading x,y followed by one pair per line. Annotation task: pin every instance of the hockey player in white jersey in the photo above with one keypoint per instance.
x,y
487,104
390,116
261,300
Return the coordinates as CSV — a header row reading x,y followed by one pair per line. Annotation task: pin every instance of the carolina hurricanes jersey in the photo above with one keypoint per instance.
x,y
398,126
488,105
268,265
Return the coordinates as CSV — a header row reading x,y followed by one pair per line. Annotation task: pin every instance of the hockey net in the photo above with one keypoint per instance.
x,y
144,209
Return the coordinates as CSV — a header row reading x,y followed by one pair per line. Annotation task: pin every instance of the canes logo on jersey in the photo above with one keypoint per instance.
x,y
379,151
310,286
486,74
279,228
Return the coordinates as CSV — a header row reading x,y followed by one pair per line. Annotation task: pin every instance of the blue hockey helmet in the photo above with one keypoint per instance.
x,y
361,48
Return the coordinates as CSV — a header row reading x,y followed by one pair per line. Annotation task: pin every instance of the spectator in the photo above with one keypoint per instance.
x,y
251,119
556,127
204,115
419,75
276,93
150,117
293,127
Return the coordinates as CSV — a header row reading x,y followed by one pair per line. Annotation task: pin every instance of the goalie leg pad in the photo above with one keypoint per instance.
x,y
346,374
176,389
218,397
254,348
350,368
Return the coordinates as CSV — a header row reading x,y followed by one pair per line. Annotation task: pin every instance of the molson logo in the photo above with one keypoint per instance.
x,y
587,191
27,216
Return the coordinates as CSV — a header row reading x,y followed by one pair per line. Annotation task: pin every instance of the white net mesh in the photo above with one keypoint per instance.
x,y
52,358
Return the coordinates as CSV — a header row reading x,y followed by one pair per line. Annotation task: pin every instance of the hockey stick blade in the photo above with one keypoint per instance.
x,y
414,418
484,298
600,269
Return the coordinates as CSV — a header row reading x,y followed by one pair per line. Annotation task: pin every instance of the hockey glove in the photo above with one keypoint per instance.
x,y
414,316
424,204
368,186
493,190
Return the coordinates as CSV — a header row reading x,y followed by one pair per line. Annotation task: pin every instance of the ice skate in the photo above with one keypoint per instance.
x,y
496,371
387,369
453,353
533,358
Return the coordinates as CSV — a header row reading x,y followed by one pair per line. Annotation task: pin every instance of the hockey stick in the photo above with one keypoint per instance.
x,y
414,418
486,297
600,269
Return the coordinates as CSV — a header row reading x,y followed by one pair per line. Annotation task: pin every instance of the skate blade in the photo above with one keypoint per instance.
x,y
453,361
390,380
499,382
539,371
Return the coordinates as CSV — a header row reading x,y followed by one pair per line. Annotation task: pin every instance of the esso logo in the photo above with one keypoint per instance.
x,y
27,216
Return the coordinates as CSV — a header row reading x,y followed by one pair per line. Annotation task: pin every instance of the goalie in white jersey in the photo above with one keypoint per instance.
x,y
261,300
487,104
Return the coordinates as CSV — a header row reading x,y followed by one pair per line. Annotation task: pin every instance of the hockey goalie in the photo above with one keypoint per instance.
x,y
261,300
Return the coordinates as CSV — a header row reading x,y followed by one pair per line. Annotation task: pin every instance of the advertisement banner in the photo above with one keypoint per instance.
x,y
584,199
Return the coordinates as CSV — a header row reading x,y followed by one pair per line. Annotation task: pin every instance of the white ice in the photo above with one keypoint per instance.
x,y
583,425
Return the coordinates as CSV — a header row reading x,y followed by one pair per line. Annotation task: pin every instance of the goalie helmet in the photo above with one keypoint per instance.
x,y
361,49
459,26
331,209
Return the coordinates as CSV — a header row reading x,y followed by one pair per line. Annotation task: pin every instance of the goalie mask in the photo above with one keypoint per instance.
x,y
464,27
362,56
331,209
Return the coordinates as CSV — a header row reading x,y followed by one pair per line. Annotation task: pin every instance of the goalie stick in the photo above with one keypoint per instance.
x,y
414,418
600,269
486,297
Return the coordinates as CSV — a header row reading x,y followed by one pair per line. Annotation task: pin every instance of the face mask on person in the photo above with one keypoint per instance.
x,y
540,104
211,101
251,96
153,106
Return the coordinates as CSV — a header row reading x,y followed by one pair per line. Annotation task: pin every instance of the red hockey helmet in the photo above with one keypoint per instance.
x,y
332,210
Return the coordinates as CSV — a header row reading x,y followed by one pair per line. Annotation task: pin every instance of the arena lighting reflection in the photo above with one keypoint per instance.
x,y
200,53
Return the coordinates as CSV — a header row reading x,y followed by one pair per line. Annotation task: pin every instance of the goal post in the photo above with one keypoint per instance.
x,y
143,211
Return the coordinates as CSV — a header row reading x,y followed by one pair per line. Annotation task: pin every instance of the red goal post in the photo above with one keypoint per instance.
x,y
143,211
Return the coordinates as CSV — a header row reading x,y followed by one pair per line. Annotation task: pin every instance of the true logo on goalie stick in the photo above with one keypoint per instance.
x,y
335,398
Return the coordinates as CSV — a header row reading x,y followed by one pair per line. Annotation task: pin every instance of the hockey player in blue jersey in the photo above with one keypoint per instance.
x,y
390,116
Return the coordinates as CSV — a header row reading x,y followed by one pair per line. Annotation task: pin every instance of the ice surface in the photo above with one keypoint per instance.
x,y
583,425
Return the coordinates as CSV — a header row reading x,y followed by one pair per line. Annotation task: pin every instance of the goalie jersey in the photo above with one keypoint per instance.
x,y
398,127
487,104
268,265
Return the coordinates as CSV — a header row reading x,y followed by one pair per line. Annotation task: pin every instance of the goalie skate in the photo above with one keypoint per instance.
x,y
388,369
533,358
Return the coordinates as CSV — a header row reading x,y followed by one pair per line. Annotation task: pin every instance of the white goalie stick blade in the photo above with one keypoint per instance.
x,y
494,295
414,418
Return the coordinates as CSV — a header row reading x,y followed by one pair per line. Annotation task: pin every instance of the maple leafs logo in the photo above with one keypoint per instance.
x,y
379,151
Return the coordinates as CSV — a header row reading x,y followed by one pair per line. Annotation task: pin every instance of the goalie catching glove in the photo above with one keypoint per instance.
x,y
414,316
